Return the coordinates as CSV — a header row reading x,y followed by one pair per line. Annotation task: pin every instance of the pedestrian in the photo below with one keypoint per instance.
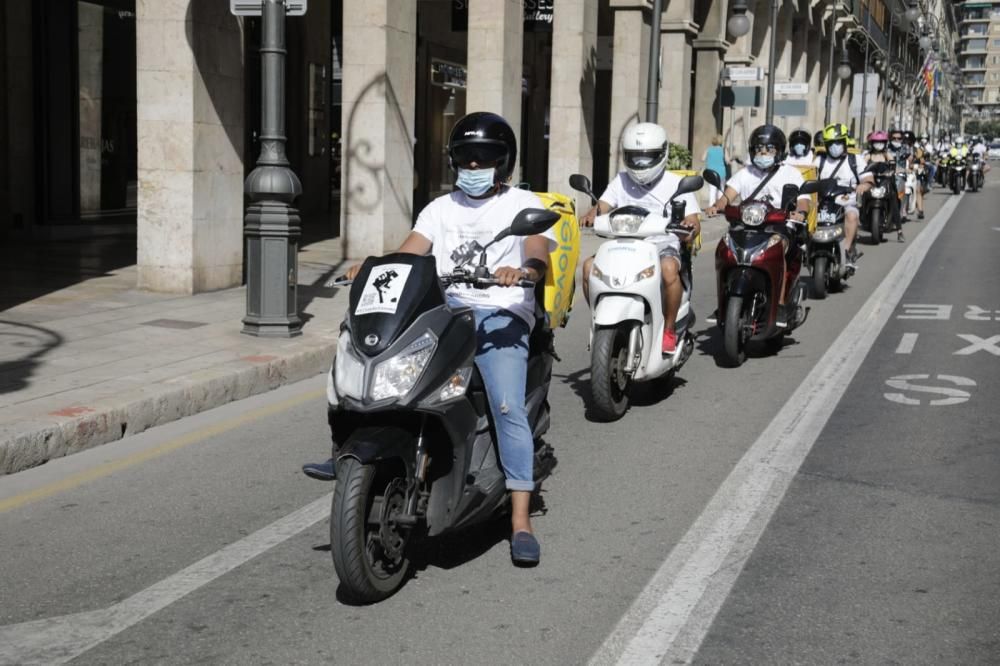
x,y
715,159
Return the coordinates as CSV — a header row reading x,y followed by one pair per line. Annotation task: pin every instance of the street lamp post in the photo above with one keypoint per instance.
x,y
739,25
271,226
653,69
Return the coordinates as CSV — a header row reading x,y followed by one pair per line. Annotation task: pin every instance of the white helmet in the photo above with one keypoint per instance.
x,y
644,151
959,140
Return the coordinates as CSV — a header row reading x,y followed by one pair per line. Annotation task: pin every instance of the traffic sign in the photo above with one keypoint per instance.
x,y
791,88
745,73
254,7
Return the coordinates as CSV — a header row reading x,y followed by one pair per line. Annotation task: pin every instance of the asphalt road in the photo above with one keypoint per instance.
x,y
883,549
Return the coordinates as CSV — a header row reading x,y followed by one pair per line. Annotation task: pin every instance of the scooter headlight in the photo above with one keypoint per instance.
x,y
646,273
349,371
753,215
829,234
397,375
626,223
877,192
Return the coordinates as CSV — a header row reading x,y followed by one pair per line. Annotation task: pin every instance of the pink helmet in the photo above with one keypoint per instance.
x,y
877,135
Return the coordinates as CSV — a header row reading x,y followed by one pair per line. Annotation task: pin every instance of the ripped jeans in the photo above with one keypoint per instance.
x,y
502,359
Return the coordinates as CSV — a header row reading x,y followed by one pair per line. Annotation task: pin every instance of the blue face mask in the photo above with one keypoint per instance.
x,y
799,149
835,150
475,182
764,161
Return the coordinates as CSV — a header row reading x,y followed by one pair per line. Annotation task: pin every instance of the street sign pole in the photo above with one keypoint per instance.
x,y
271,227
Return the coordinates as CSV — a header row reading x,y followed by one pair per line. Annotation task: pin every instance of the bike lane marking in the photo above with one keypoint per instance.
x,y
907,343
670,617
57,640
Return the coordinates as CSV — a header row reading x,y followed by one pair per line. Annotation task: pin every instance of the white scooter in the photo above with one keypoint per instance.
x,y
626,300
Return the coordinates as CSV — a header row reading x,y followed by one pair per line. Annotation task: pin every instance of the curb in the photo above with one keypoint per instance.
x,y
43,438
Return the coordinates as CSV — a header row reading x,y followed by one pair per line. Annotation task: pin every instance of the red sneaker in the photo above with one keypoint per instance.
x,y
669,342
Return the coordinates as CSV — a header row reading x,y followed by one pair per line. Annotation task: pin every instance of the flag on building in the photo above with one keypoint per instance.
x,y
928,72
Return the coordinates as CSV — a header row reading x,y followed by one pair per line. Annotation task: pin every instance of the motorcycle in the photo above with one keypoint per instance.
x,y
976,177
626,286
750,271
877,208
959,167
409,414
825,255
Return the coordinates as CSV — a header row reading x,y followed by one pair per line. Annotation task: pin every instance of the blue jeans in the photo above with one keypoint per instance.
x,y
502,359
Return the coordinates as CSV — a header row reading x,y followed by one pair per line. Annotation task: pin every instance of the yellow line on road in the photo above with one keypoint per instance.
x,y
113,466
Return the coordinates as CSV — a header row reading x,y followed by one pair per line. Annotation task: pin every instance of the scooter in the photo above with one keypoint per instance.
x,y
976,177
877,203
409,414
958,175
750,271
825,254
626,300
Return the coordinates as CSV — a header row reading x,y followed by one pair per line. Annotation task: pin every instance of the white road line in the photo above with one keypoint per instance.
x,y
670,618
907,343
57,640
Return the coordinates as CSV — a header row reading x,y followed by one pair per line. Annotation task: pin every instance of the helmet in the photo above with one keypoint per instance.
x,y
645,150
799,136
818,139
878,136
835,132
484,138
768,135
909,137
959,140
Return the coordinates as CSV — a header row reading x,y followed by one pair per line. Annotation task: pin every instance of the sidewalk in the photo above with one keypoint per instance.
x,y
98,360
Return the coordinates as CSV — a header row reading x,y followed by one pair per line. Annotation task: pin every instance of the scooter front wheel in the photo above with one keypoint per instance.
x,y
820,277
875,225
735,334
369,551
609,385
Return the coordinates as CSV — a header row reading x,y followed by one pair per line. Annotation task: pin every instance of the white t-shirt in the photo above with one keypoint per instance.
x,y
844,175
458,228
623,191
979,149
748,178
805,160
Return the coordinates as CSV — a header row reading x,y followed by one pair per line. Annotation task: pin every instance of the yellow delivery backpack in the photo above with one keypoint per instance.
x,y
809,173
696,241
560,280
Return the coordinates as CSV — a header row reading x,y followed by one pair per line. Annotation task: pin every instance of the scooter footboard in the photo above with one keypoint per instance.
x,y
615,308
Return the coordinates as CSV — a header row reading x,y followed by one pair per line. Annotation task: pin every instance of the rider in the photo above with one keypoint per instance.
x,y
818,143
918,163
763,180
482,150
878,151
799,153
846,168
646,183
959,149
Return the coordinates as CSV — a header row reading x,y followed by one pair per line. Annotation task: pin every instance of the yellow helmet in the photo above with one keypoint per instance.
x,y
836,132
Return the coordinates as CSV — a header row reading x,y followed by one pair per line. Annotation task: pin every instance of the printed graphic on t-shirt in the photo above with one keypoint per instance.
x,y
466,252
383,289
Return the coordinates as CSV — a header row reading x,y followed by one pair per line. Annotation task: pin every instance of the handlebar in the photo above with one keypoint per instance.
x,y
481,282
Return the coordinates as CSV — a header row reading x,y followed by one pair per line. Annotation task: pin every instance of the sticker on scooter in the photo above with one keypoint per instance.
x,y
383,289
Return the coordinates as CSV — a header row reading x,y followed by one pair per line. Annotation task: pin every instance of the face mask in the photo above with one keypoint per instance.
x,y
878,146
799,149
764,161
835,150
475,182
895,144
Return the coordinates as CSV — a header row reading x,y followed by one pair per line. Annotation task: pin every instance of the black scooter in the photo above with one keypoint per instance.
x,y
879,206
416,448
825,256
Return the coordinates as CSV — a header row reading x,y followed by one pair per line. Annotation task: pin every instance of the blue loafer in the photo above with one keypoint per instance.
x,y
524,549
324,471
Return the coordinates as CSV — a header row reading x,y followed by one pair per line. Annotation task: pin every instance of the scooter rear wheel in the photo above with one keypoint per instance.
x,y
369,553
609,386
734,336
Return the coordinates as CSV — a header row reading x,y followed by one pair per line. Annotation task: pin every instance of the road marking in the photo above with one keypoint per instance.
x,y
955,396
907,343
113,466
57,640
976,313
670,617
940,312
979,344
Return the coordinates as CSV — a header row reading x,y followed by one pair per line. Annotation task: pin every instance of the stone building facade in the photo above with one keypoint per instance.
x,y
373,88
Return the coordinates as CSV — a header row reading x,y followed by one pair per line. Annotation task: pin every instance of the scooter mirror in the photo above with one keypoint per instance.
x,y
687,185
712,178
581,183
789,193
811,187
530,221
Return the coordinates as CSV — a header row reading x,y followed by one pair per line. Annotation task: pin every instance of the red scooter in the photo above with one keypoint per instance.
x,y
750,270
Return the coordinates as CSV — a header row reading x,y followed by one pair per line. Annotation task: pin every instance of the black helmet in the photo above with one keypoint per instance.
x,y
485,138
818,139
768,135
799,136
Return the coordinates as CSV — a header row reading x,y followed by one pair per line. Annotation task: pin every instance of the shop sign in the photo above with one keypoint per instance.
x,y
538,15
745,73
791,88
448,74
255,7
